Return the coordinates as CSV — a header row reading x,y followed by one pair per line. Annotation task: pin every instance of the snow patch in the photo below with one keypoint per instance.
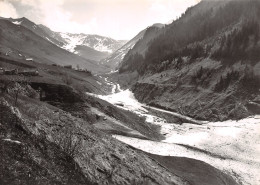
x,y
72,41
50,40
12,141
17,22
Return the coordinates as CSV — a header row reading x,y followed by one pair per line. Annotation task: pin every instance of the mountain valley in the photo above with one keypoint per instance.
x,y
177,104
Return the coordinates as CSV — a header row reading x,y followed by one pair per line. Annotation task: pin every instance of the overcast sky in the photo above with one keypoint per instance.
x,y
119,19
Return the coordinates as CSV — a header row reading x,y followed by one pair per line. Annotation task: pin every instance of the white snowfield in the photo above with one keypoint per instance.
x,y
231,146
73,40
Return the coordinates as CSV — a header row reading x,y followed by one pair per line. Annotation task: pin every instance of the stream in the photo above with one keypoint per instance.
x,y
231,146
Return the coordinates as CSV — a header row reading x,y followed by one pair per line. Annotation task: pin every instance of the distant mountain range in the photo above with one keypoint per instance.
x,y
22,39
107,52
92,47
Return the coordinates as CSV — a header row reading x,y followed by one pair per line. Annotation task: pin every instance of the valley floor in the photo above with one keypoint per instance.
x,y
231,146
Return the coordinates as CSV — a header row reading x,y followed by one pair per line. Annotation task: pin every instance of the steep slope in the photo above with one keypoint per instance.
x,y
205,68
18,38
150,33
114,60
140,48
53,34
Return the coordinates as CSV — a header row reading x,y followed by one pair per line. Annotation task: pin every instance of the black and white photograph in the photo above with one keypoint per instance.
x,y
129,92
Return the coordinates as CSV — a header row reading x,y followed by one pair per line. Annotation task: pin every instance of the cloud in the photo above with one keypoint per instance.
x,y
165,10
7,10
119,19
61,20
53,14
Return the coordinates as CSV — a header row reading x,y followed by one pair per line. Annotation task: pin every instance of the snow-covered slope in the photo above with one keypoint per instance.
x,y
101,46
99,43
